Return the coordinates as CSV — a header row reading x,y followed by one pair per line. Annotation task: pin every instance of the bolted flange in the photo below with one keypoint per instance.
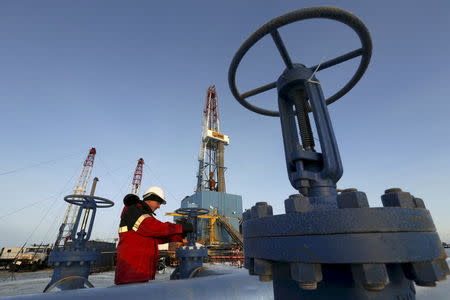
x,y
373,277
261,209
297,203
352,198
307,275
354,246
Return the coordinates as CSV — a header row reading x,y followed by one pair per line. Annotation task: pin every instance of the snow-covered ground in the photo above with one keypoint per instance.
x,y
34,282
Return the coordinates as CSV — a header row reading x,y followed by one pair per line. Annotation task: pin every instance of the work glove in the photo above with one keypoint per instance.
x,y
181,221
187,227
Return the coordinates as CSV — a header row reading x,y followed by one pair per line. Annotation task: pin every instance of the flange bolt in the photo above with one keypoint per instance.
x,y
297,203
373,277
261,209
352,198
419,203
263,268
424,273
307,275
395,197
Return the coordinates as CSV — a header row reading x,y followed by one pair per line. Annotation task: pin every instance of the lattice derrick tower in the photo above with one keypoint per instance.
x,y
137,177
211,171
79,189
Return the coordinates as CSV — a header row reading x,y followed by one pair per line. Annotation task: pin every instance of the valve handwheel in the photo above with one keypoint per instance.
x,y
271,27
82,200
192,211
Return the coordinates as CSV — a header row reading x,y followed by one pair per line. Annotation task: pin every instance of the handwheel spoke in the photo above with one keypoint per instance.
x,y
259,90
281,48
338,60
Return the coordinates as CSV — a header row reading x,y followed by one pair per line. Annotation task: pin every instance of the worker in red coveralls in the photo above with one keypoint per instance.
x,y
139,235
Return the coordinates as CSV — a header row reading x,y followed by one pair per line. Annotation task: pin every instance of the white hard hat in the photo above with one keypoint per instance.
x,y
154,193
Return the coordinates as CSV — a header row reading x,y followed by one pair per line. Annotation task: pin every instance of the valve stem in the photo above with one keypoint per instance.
x,y
297,96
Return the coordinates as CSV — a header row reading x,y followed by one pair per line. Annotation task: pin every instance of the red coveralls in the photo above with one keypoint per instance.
x,y
139,236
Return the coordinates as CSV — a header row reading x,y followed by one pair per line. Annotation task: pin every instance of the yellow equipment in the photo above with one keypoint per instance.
x,y
213,220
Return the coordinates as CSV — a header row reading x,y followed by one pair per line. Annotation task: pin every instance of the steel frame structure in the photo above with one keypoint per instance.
x,y
211,169
137,177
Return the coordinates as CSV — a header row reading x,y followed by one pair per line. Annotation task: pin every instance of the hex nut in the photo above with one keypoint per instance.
x,y
307,275
424,273
262,267
397,198
352,198
297,203
261,209
442,263
392,190
373,277
265,278
419,203
246,215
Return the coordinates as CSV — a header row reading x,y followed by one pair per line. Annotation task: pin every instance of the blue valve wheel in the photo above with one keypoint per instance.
x,y
192,211
271,27
82,200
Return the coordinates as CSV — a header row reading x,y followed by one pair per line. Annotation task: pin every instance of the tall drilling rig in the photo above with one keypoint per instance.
x,y
137,177
210,192
211,170
80,189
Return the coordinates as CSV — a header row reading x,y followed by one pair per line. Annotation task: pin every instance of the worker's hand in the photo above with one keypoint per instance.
x,y
181,221
187,227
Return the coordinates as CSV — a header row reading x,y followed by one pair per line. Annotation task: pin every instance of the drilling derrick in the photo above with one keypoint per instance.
x,y
137,177
225,209
211,171
72,210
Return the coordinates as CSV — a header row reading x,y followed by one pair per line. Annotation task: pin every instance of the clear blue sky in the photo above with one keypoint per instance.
x,y
129,78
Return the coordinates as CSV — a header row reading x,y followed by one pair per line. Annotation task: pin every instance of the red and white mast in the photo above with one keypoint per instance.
x,y
137,177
